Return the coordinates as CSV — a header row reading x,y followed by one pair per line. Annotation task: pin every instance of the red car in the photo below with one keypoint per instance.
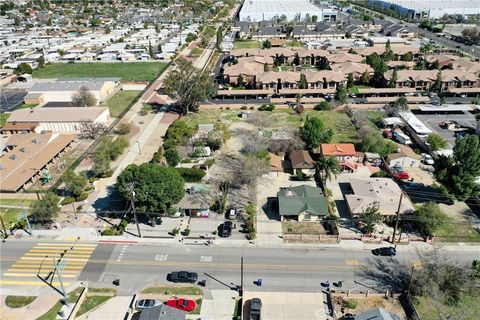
x,y
401,175
182,304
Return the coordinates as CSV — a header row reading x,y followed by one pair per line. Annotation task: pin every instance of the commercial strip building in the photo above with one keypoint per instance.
x,y
431,9
26,156
263,10
59,120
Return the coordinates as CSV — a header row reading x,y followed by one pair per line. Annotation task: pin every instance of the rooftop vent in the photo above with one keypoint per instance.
x,y
13,157
35,141
23,149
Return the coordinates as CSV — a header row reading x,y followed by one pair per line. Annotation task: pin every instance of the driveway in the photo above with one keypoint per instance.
x,y
288,305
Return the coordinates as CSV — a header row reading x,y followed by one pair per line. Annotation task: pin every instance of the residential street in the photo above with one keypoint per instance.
x,y
282,269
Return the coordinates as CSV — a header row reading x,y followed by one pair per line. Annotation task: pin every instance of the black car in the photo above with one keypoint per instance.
x,y
225,229
182,277
385,251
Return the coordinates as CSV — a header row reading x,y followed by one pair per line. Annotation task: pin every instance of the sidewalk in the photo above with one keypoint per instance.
x,y
114,308
220,306
37,308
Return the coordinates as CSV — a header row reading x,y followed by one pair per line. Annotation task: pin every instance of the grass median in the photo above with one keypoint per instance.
x,y
19,301
188,291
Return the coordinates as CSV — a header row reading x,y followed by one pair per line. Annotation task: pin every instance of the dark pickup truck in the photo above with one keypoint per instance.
x,y
255,309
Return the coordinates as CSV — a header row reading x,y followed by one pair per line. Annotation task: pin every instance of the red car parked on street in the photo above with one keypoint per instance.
x,y
182,304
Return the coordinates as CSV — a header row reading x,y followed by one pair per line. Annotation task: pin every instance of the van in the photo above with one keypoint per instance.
x,y
402,138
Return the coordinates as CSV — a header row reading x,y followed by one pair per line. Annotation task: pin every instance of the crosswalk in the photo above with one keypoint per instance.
x,y
39,261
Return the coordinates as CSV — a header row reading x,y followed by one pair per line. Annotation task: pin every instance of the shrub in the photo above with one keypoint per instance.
x,y
108,232
157,156
252,108
172,157
267,107
67,200
175,232
191,174
186,232
209,162
82,197
324,105
243,108
350,303
379,174
123,129
228,108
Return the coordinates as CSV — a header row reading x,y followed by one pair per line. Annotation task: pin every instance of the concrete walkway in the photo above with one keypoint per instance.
x,y
114,308
37,308
219,306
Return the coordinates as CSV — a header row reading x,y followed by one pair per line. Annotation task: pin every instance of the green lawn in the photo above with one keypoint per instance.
x,y
294,43
3,118
91,302
119,101
355,88
19,301
427,310
15,202
198,307
188,291
246,44
9,216
458,231
134,71
102,290
52,313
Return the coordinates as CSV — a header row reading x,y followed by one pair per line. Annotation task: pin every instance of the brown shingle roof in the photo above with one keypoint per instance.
x,y
301,159
275,162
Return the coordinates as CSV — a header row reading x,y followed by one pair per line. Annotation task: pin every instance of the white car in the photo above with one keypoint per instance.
x,y
148,303
427,159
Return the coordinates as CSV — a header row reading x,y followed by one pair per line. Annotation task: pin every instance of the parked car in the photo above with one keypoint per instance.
x,y
182,277
401,175
232,214
397,168
427,159
385,251
147,303
255,309
182,304
225,229
409,186
387,133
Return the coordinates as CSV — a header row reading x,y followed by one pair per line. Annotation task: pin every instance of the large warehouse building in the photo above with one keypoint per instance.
x,y
432,9
264,10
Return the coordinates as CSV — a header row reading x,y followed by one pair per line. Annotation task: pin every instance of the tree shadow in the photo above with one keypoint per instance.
x,y
270,208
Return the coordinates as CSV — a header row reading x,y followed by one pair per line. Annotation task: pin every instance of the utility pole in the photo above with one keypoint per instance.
x,y
398,217
58,266
132,199
5,235
241,278
74,211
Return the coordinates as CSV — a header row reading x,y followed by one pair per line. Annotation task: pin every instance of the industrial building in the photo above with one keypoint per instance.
x,y
431,9
265,10
60,120
62,90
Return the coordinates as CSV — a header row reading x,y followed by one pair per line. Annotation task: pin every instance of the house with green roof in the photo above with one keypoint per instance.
x,y
302,203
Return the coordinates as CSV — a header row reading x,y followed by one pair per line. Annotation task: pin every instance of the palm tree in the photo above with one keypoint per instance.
x,y
328,166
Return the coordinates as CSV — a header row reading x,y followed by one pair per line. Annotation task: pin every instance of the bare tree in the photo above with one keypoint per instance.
x,y
83,98
261,120
252,141
290,140
90,129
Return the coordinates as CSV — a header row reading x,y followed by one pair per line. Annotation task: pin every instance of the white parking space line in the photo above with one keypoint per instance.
x,y
206,259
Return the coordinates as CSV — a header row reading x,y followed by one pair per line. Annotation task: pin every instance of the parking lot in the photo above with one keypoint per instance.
x,y
9,99
433,121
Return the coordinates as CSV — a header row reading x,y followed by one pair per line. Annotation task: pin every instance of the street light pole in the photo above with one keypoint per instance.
x,y
60,279
398,217
132,199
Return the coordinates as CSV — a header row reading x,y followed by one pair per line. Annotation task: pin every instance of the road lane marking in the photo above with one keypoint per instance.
x,y
352,262
34,275
206,259
66,244
161,257
40,249
30,266
31,283
67,255
21,270
41,258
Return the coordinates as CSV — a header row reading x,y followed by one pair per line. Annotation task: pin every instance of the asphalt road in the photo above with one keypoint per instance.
x,y
281,269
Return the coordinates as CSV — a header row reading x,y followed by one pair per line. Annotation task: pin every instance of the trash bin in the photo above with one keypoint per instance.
x,y
202,283
116,282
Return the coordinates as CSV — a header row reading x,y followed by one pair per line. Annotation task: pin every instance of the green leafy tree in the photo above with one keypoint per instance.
x,y
365,79
172,156
436,141
370,217
302,84
379,67
341,94
75,183
101,163
188,85
23,68
437,85
374,142
41,62
392,83
459,172
431,218
156,187
328,166
322,106
219,36
46,209
401,104
150,49
388,54
350,80
407,56
266,44
191,37
314,132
